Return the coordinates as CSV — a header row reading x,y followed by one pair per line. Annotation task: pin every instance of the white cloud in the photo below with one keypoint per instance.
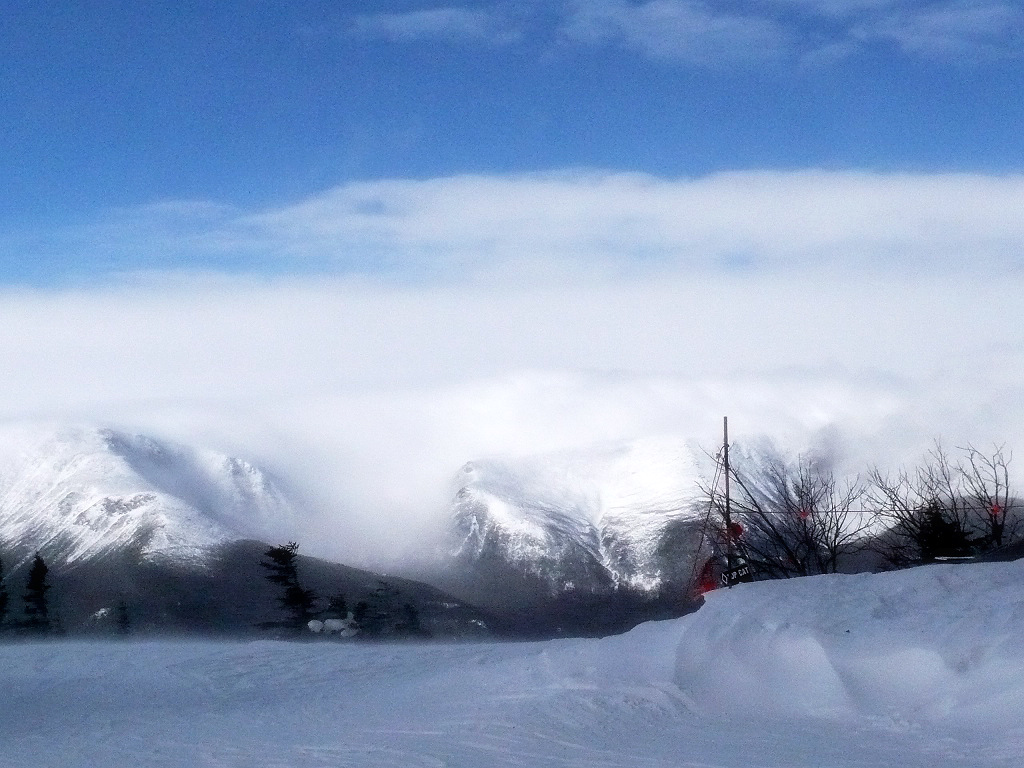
x,y
707,34
451,23
678,29
964,27
541,312
530,227
837,7
808,31
368,396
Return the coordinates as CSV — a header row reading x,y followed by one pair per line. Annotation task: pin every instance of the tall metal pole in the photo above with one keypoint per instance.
x,y
728,511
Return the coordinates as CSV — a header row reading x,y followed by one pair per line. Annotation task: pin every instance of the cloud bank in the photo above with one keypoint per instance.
x,y
579,222
367,398
409,326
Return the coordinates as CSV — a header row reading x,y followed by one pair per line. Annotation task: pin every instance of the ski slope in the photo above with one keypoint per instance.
x,y
918,668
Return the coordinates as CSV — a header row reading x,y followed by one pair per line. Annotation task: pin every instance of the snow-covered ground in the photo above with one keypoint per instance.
x,y
917,668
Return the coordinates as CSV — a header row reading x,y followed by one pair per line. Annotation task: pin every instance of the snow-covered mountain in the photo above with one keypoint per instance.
x,y
78,493
617,518
591,541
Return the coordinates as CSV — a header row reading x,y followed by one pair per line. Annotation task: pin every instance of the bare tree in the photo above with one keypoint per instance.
x,y
906,503
986,489
945,507
792,517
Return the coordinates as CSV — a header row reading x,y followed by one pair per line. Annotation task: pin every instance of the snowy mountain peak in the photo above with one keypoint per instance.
x,y
81,492
595,519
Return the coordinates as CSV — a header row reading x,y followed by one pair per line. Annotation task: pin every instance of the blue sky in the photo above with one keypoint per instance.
x,y
112,106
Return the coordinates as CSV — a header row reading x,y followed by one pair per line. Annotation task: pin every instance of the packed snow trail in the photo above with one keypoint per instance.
x,y
921,668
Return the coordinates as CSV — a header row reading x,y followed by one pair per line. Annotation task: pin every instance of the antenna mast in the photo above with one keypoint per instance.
x,y
728,510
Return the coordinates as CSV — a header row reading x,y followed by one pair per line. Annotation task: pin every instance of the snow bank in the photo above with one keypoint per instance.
x,y
932,644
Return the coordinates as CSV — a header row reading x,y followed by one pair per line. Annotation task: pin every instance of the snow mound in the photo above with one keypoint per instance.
x,y
933,643
83,492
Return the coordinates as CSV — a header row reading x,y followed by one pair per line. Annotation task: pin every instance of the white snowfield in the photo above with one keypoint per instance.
x,y
921,668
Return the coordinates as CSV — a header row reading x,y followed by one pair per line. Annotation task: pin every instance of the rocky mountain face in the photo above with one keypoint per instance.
x,y
170,534
578,542
583,538
81,493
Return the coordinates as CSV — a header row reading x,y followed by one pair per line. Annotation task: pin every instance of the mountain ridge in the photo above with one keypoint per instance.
x,y
584,541
80,492
610,531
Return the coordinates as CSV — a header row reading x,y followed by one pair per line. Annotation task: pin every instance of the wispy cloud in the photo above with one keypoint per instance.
x,y
491,25
679,29
707,34
522,227
958,28
804,30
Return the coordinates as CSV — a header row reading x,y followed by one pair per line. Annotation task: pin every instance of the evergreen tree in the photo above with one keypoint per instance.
x,y
124,624
4,597
385,614
380,615
337,608
942,535
282,570
410,624
37,614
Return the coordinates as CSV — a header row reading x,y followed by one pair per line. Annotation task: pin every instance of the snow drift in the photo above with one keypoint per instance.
x,y
930,644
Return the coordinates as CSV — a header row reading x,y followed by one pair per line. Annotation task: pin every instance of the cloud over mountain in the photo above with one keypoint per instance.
x,y
420,324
